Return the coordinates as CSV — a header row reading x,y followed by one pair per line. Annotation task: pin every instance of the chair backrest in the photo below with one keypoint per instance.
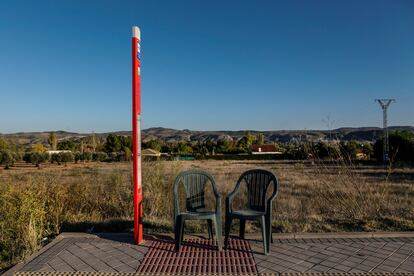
x,y
258,182
194,182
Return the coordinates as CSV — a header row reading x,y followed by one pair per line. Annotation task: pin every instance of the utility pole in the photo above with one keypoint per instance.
x,y
385,103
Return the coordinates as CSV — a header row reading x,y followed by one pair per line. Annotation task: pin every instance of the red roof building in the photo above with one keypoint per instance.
x,y
264,149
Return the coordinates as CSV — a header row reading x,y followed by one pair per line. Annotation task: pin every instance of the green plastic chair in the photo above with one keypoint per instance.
x,y
195,182
258,207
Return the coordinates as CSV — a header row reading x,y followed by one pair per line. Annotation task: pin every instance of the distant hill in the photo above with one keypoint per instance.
x,y
175,135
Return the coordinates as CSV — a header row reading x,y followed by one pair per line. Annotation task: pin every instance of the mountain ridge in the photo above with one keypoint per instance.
x,y
171,135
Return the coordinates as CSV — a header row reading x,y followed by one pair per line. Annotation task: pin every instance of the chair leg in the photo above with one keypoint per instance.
x,y
242,228
217,226
269,227
182,230
210,229
227,231
269,232
178,233
266,239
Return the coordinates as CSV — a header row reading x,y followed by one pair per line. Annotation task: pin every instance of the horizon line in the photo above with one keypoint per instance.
x,y
193,130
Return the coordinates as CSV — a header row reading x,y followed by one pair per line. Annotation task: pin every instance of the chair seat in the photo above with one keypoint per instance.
x,y
201,213
247,213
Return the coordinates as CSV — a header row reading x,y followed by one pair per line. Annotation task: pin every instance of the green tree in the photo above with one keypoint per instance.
x,y
260,139
127,154
36,158
401,147
67,145
184,148
4,144
367,149
38,148
223,146
78,156
52,140
242,144
66,157
204,151
99,156
153,144
87,156
113,143
55,158
250,139
210,145
126,142
17,156
166,148
349,149
6,158
93,141
324,150
299,151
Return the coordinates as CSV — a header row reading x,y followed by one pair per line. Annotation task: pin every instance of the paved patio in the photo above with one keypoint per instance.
x,y
335,254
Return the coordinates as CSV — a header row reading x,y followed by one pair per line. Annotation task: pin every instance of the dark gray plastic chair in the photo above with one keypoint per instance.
x,y
195,183
258,207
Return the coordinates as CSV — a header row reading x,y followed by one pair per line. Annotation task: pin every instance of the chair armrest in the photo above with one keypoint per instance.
x,y
270,201
176,208
218,204
272,197
229,197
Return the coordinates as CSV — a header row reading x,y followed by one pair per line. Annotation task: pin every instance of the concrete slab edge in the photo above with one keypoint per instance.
x,y
344,235
330,235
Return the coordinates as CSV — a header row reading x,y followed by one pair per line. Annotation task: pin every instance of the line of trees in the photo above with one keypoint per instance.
x,y
401,147
115,148
119,148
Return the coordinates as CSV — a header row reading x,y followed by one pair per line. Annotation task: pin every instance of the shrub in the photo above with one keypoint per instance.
x,y
6,159
87,156
153,144
401,147
38,148
126,154
78,156
56,158
113,157
67,145
36,158
66,157
99,156
17,156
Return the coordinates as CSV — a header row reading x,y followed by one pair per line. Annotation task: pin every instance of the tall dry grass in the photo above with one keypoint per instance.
x,y
313,197
36,205
334,195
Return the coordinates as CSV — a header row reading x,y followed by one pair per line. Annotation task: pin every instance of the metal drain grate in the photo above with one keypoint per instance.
x,y
199,256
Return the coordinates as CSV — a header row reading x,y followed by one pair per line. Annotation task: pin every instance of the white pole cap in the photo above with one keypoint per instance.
x,y
136,32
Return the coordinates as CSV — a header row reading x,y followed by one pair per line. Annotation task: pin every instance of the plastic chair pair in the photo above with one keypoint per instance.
x,y
258,207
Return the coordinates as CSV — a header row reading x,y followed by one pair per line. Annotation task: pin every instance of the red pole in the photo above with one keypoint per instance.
x,y
136,133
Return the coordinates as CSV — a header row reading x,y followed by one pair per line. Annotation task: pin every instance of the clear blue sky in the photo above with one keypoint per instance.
x,y
206,65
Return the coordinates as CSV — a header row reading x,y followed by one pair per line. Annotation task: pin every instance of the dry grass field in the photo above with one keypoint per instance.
x,y
314,197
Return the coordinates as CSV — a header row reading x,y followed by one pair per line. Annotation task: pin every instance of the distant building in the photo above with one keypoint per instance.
x,y
50,152
264,149
150,152
361,155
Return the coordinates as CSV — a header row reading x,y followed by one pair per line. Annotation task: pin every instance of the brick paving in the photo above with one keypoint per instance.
x,y
199,256
337,255
89,253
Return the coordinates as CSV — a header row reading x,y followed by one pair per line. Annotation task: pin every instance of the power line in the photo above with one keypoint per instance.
x,y
385,103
